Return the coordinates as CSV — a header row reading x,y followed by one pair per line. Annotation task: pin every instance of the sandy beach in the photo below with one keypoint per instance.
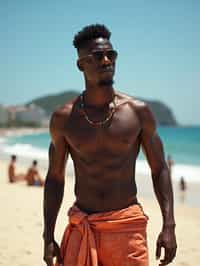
x,y
22,223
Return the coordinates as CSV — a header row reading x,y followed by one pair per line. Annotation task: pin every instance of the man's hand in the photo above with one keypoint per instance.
x,y
166,240
51,252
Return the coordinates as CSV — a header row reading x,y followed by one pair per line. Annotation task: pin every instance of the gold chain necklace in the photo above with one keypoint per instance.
x,y
97,123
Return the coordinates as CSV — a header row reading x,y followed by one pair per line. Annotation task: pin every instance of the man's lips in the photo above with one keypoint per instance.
x,y
106,69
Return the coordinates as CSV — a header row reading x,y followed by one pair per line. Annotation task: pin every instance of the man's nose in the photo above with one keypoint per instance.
x,y
106,60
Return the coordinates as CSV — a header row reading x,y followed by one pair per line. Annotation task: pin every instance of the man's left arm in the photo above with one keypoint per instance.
x,y
153,148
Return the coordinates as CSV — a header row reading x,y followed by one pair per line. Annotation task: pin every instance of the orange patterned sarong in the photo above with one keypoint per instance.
x,y
114,238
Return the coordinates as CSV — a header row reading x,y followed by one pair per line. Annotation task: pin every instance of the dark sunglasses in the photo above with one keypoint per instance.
x,y
99,55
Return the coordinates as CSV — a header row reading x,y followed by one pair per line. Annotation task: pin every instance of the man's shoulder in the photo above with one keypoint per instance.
x,y
136,104
61,115
141,108
63,112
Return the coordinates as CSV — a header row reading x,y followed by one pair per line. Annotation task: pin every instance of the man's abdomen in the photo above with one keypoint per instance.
x,y
105,195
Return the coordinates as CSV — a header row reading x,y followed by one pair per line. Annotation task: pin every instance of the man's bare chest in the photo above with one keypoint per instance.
x,y
117,137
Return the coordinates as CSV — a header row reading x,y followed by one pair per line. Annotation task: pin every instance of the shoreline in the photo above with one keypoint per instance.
x,y
10,132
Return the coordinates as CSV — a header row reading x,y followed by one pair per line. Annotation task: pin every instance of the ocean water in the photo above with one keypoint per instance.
x,y
183,144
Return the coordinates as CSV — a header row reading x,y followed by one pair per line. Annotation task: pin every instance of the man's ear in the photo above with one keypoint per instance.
x,y
79,65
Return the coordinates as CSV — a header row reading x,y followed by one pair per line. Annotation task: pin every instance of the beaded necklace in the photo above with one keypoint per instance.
x,y
97,123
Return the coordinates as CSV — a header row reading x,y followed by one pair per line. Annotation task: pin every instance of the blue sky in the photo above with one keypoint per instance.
x,y
158,44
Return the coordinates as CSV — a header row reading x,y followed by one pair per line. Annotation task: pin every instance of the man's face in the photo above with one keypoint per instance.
x,y
97,61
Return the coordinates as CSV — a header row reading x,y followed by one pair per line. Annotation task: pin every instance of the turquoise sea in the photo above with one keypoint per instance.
x,y
182,143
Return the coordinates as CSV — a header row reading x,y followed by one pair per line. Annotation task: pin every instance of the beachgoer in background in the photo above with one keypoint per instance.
x,y
183,188
12,176
170,164
103,130
33,177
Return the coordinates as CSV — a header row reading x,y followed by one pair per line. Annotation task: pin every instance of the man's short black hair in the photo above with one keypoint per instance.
x,y
13,157
89,33
34,162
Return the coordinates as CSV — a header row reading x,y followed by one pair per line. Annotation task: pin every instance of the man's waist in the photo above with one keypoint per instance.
x,y
100,206
126,219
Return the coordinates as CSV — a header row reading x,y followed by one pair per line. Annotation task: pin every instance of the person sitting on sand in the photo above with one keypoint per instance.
x,y
11,171
33,177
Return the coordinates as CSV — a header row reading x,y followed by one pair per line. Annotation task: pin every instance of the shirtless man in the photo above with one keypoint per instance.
x,y
33,177
12,176
103,131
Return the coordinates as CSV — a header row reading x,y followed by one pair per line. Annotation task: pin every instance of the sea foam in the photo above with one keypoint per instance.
x,y
191,173
27,151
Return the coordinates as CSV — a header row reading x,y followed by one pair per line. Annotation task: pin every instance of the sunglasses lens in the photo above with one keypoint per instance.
x,y
112,55
98,55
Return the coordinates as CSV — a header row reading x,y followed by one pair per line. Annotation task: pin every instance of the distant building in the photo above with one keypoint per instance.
x,y
4,115
30,114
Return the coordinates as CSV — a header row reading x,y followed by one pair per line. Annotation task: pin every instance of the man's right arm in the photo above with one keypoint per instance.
x,y
54,187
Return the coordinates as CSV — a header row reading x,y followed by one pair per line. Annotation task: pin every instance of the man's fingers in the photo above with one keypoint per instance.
x,y
59,258
169,256
158,250
56,262
165,260
49,260
52,254
53,261
172,255
58,255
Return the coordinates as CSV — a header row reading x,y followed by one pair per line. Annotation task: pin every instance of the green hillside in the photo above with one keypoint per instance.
x,y
162,112
52,102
